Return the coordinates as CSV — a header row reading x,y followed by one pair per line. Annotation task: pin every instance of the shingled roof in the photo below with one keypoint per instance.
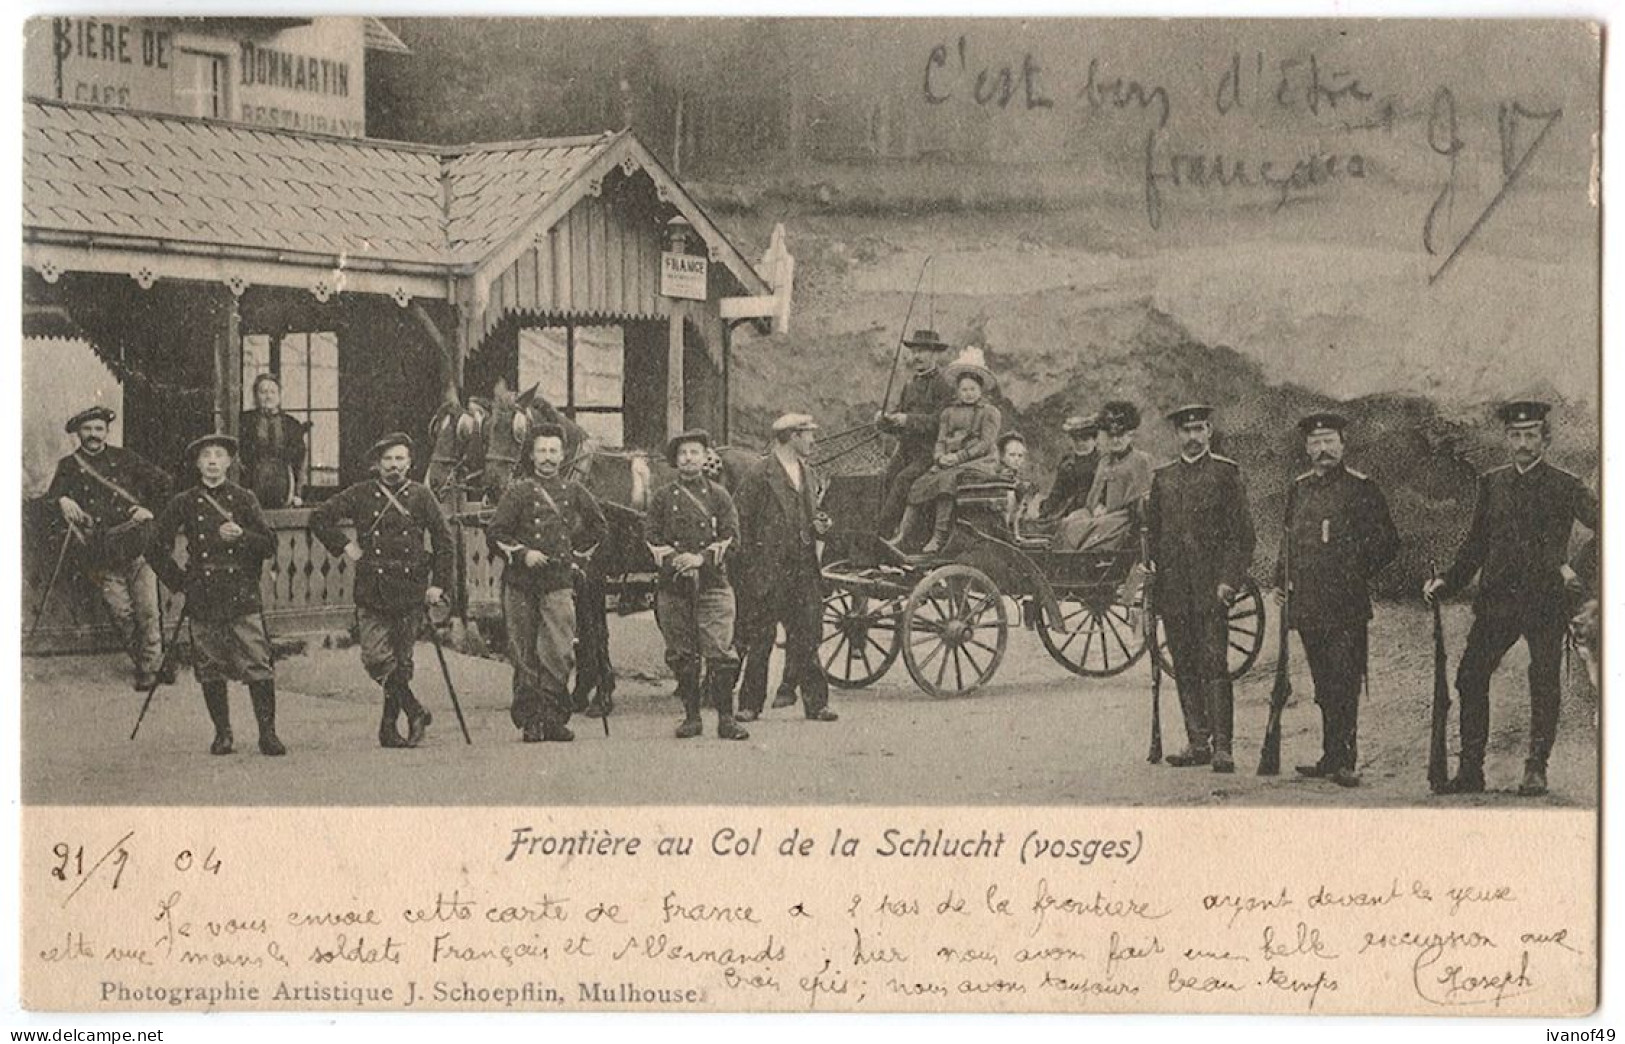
x,y
118,176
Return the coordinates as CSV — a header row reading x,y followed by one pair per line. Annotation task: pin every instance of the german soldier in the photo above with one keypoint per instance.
x,y
1075,474
544,526
227,543
914,422
1338,536
103,493
1200,537
394,576
779,523
1516,547
690,527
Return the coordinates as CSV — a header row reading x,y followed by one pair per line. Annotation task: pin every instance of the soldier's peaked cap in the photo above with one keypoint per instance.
x,y
390,441
1523,411
927,339
101,413
1190,413
1325,420
794,422
673,444
219,438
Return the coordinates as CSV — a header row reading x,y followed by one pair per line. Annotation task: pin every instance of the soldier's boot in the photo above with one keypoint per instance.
x,y
1221,715
389,733
263,695
418,718
720,678
688,690
1469,778
1534,779
214,698
603,701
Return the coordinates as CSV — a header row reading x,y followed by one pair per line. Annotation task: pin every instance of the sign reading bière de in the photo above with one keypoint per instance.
x,y
682,275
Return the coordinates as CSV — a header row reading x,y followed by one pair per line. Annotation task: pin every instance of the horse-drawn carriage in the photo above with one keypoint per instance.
x,y
948,615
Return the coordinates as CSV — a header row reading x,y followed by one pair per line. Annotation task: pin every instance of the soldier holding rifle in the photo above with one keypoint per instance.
x,y
227,543
103,493
690,528
1200,538
1517,547
394,576
1338,535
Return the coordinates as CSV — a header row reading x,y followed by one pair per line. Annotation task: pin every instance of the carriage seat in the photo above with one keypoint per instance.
x,y
994,504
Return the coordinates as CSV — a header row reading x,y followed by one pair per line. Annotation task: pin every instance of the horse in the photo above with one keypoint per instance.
x,y
456,447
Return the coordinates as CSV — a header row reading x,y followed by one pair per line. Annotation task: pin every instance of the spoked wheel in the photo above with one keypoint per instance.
x,y
955,629
1245,637
859,642
1096,637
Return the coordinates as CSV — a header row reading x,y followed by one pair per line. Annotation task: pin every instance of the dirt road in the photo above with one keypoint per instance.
x,y
1036,736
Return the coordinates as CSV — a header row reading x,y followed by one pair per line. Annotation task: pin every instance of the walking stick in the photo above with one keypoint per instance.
x,y
56,574
1150,622
1438,740
169,650
445,672
897,355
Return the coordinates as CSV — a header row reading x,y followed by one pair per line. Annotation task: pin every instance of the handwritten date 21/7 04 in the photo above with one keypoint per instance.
x,y
69,864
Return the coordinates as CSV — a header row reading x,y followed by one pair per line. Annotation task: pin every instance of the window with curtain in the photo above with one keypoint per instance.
x,y
581,370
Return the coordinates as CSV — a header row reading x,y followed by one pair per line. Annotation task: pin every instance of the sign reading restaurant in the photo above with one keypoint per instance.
x,y
306,75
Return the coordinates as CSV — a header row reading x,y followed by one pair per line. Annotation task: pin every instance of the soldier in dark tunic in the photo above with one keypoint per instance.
x,y
1338,535
107,495
690,528
779,581
544,526
1200,537
914,423
1517,547
395,577
273,447
1075,474
227,543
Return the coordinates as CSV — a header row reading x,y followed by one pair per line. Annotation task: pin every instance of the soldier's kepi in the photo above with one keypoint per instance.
x,y
1338,536
395,577
690,528
227,543
1518,547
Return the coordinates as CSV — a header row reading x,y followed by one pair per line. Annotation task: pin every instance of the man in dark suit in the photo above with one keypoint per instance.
x,y
779,581
1517,547
107,495
914,423
394,576
1201,544
1338,535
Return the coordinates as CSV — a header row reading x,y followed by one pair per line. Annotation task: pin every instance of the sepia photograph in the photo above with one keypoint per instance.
x,y
819,416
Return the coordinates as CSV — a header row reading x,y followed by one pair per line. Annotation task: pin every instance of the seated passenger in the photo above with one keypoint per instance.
x,y
965,444
1076,471
1105,521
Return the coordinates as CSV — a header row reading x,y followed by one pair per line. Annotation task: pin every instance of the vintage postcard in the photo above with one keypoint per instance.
x,y
810,515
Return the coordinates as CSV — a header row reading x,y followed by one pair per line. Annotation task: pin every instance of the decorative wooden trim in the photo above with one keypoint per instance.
x,y
144,277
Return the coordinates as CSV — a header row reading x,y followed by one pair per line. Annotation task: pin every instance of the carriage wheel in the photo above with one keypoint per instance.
x,y
859,642
955,629
1246,635
1094,640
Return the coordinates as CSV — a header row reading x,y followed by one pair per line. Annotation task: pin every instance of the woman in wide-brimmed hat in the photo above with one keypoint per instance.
x,y
1105,521
966,436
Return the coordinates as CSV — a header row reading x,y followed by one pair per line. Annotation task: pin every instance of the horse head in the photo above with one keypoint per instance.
x,y
456,444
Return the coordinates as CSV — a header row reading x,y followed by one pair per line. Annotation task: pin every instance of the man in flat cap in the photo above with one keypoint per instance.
x,y
1200,537
106,495
691,527
914,423
545,525
1104,521
1517,546
227,543
395,575
1338,535
779,524
1075,474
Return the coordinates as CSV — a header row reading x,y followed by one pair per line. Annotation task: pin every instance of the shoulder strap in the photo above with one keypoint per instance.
x,y
685,491
91,472
204,493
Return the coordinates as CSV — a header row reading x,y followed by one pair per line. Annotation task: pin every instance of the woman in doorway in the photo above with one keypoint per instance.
x,y
272,447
